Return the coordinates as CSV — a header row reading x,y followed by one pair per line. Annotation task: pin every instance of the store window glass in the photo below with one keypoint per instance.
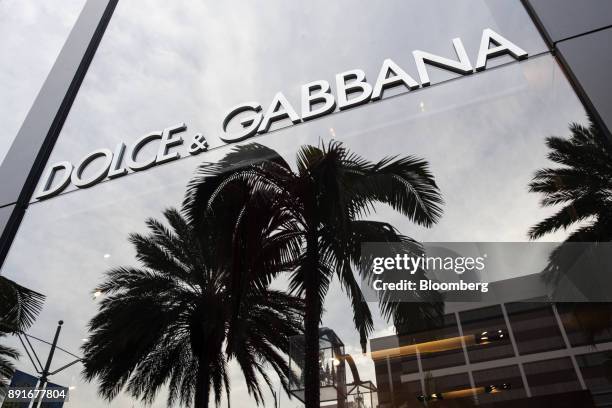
x,y
73,239
195,60
551,376
32,34
535,327
78,236
482,136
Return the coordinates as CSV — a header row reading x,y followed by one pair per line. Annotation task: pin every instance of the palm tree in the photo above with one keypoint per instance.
x,y
323,205
19,307
583,186
174,321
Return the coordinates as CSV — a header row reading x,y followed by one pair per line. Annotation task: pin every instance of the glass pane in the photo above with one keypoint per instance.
x,y
487,328
535,327
435,354
497,377
482,135
586,323
32,34
196,65
596,370
73,239
446,384
551,377
406,393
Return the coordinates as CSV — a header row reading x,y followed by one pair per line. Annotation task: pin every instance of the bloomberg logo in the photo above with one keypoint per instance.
x,y
248,119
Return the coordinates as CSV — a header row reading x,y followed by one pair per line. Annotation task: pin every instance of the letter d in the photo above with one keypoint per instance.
x,y
47,189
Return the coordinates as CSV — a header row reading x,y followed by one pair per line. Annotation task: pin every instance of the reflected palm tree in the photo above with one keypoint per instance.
x,y
19,307
320,210
173,321
583,187
7,355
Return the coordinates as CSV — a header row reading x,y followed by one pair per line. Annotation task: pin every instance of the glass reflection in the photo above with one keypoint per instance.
x,y
19,307
78,235
177,320
31,36
194,66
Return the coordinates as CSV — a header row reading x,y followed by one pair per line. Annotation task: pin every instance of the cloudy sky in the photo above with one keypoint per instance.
x,y
161,63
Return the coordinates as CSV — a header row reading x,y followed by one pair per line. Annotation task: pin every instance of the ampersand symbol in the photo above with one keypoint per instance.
x,y
199,144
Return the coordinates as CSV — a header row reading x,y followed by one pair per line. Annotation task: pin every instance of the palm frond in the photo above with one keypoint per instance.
x,y
19,306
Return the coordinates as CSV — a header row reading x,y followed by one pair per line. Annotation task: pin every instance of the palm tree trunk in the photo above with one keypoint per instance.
x,y
202,384
311,324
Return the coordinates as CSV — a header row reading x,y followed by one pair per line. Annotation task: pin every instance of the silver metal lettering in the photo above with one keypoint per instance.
x,y
168,141
398,76
47,189
99,175
249,124
502,46
322,94
136,147
116,170
280,108
358,84
463,66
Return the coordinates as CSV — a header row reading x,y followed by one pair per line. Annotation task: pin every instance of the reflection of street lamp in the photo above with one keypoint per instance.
x,y
487,337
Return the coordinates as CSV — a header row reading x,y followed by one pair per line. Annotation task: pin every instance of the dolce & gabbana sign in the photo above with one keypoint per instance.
x,y
249,118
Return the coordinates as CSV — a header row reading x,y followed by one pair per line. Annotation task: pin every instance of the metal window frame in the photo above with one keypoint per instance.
x,y
29,152
566,67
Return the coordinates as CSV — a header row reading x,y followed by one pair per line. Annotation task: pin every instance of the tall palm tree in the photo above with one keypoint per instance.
x,y
19,307
174,321
323,206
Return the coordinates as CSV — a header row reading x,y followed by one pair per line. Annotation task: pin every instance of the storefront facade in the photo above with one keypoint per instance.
x,y
140,97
